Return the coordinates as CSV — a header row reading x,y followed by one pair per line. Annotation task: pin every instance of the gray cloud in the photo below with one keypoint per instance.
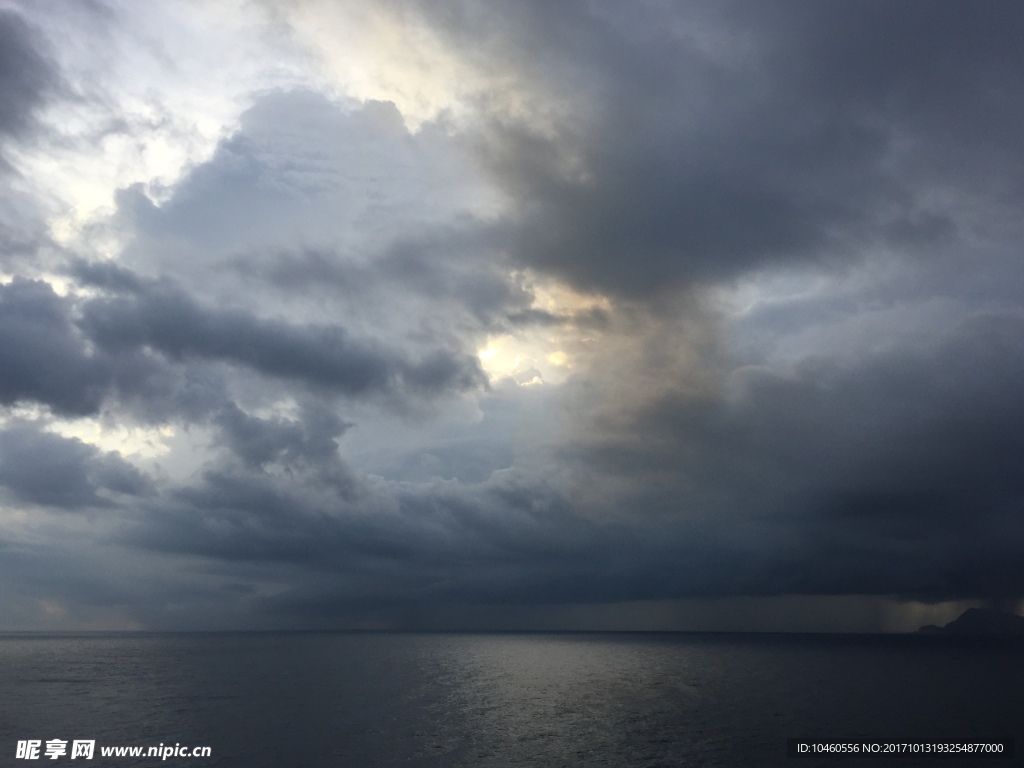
x,y
455,270
38,467
29,79
43,356
258,441
27,76
302,173
46,358
893,473
801,380
896,474
703,142
146,343
162,317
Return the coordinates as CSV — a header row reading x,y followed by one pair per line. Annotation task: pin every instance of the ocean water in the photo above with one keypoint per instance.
x,y
383,699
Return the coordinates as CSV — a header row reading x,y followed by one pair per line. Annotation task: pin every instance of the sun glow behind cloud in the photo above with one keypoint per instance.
x,y
144,442
562,337
381,52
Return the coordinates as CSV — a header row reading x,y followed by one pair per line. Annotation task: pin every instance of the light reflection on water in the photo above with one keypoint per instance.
x,y
370,699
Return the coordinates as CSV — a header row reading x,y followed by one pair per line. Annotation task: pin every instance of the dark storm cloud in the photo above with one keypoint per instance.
x,y
893,474
26,75
436,541
38,467
707,141
164,318
43,356
139,345
898,472
511,539
271,518
259,441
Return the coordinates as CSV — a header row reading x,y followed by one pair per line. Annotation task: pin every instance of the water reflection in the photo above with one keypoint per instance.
x,y
500,700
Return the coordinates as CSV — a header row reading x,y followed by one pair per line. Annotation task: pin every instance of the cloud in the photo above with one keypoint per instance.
x,y
745,280
47,359
29,81
304,170
332,212
260,441
163,318
892,473
73,355
27,76
43,356
41,468
687,144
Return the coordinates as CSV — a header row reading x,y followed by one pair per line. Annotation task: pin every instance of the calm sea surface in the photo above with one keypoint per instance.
x,y
369,699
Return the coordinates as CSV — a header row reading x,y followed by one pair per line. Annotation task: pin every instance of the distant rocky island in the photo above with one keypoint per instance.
x,y
979,621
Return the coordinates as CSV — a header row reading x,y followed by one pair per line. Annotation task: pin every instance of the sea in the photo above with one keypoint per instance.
x,y
367,699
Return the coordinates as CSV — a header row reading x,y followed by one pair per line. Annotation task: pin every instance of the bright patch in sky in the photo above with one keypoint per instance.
x,y
140,442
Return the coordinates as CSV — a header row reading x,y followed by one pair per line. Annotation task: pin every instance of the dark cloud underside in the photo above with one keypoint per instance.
x,y
711,141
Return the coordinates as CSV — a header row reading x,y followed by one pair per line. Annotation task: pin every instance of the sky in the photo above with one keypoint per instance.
x,y
486,315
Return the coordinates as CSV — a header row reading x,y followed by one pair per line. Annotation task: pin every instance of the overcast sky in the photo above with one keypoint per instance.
x,y
512,314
